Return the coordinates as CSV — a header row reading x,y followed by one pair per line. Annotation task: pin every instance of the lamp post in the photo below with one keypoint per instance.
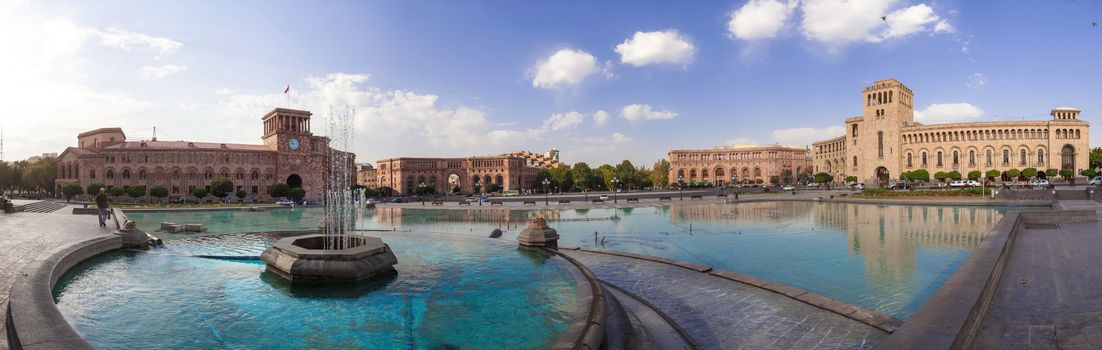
x,y
681,187
546,201
615,185
421,192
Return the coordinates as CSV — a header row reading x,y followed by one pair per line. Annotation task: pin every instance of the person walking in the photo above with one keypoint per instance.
x,y
103,205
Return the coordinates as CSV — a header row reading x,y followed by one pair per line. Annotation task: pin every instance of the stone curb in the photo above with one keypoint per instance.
x,y
592,334
880,321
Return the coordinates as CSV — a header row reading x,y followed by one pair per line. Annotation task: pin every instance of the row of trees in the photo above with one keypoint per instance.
x,y
219,188
991,175
580,176
23,176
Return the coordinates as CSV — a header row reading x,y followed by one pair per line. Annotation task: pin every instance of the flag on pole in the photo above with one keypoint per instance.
x,y
287,88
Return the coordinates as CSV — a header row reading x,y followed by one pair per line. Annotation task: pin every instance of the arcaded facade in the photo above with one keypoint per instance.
x,y
290,154
721,165
441,175
886,141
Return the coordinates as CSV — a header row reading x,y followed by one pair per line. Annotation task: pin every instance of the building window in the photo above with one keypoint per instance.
x,y
956,159
1006,157
854,127
939,163
909,161
988,158
126,174
880,143
1023,158
1040,157
971,158
110,174
92,174
924,163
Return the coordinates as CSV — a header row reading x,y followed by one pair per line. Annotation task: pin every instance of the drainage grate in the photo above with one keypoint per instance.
x,y
1038,226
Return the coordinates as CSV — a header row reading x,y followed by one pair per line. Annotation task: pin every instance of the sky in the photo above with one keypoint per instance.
x,y
600,81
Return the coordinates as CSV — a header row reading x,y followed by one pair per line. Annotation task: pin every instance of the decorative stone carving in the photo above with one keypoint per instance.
x,y
538,234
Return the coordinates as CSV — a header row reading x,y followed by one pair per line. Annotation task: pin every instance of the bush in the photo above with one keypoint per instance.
x,y
851,179
93,188
974,175
1029,172
1014,173
296,194
941,176
159,192
875,191
117,192
135,191
221,187
71,190
199,192
823,178
919,175
279,190
1089,173
1050,172
1066,173
992,174
241,194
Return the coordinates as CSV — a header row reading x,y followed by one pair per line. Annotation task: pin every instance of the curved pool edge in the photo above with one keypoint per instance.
x,y
33,319
883,322
587,332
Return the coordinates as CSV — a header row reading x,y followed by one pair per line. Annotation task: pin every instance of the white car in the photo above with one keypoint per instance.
x,y
973,183
959,183
787,188
1040,183
857,186
603,197
285,202
1096,181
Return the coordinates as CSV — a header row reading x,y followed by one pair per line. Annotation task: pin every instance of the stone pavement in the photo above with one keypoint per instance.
x,y
27,236
1050,295
722,314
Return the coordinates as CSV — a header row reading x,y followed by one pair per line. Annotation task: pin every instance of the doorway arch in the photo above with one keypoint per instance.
x,y
1067,157
882,176
294,181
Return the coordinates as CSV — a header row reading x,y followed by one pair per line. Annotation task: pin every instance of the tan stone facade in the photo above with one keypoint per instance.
x,y
290,153
366,176
747,162
886,141
406,175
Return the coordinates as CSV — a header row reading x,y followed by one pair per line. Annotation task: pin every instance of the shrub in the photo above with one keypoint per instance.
x,y
992,174
941,176
279,190
135,191
1089,173
199,192
158,192
1029,172
1066,173
955,175
851,179
117,192
1014,173
1050,172
241,194
823,178
974,175
296,194
875,191
71,190
919,175
221,187
93,188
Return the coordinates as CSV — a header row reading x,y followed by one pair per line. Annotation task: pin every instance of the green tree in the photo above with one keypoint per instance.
x,y
974,175
955,175
660,173
823,177
1029,172
920,175
1050,172
1066,173
852,179
199,193
117,192
135,191
562,177
941,176
280,190
71,190
627,174
1096,158
241,194
296,194
606,172
583,176
786,176
493,187
93,188
992,174
1089,173
221,187
1013,173
158,192
774,179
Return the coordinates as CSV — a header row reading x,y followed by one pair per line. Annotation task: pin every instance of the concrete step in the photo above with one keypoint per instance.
x,y
1072,195
649,329
44,207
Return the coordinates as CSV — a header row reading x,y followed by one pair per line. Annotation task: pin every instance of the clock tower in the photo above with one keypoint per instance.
x,y
287,130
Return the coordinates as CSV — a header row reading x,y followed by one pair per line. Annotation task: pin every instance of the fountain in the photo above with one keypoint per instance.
x,y
336,253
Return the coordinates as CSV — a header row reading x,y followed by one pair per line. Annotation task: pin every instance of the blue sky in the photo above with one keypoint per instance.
x,y
483,77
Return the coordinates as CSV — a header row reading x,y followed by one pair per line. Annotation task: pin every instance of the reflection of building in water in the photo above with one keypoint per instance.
x,y
889,236
759,212
394,216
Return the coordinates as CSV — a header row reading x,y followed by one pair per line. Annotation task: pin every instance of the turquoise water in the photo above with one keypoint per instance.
x,y
449,293
886,258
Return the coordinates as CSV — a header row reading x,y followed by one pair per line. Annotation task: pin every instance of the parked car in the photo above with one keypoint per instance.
x,y
373,201
603,197
309,202
973,183
285,202
1040,183
901,185
787,188
1096,181
856,186
398,200
959,184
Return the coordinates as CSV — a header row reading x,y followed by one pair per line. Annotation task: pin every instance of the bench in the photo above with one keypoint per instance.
x,y
495,202
696,197
464,202
529,202
598,201
663,199
561,201
437,202
633,199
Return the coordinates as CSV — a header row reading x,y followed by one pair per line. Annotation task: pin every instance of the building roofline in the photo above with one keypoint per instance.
x,y
835,139
100,130
281,110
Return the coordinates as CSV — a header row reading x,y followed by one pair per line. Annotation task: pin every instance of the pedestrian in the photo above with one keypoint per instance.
x,y
103,206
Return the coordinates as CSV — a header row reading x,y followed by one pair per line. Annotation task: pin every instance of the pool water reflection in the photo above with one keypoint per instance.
x,y
886,258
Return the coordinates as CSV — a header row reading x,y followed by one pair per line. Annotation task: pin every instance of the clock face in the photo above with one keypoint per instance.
x,y
293,144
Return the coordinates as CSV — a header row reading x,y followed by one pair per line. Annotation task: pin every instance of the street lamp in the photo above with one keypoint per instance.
x,y
615,185
681,187
421,192
546,201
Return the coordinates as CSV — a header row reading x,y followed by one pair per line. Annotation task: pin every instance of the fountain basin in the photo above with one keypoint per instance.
x,y
304,259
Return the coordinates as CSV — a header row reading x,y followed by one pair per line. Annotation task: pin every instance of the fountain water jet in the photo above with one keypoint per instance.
x,y
336,253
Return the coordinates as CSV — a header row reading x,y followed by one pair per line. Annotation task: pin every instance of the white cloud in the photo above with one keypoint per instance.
x,y
740,141
600,117
976,81
943,26
128,40
637,112
223,91
948,112
564,67
150,73
656,47
620,138
806,136
914,19
759,19
840,22
561,121
614,139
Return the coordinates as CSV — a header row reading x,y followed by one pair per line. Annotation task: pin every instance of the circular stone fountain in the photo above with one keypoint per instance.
x,y
319,258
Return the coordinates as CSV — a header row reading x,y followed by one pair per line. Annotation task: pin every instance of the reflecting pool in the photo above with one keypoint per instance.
x,y
886,258
448,293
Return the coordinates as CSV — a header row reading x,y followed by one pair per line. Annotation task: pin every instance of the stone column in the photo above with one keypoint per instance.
x,y
539,235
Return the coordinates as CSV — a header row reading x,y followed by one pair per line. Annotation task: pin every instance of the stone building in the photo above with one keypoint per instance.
x,y
407,175
289,154
885,141
365,176
716,166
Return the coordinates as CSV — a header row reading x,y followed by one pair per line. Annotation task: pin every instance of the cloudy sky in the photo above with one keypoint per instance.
x,y
599,81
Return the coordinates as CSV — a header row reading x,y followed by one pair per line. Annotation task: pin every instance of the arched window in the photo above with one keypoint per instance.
x,y
880,143
909,161
855,161
956,159
1006,157
1067,155
988,158
924,162
126,174
141,174
971,158
939,163
110,174
1023,158
1040,157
